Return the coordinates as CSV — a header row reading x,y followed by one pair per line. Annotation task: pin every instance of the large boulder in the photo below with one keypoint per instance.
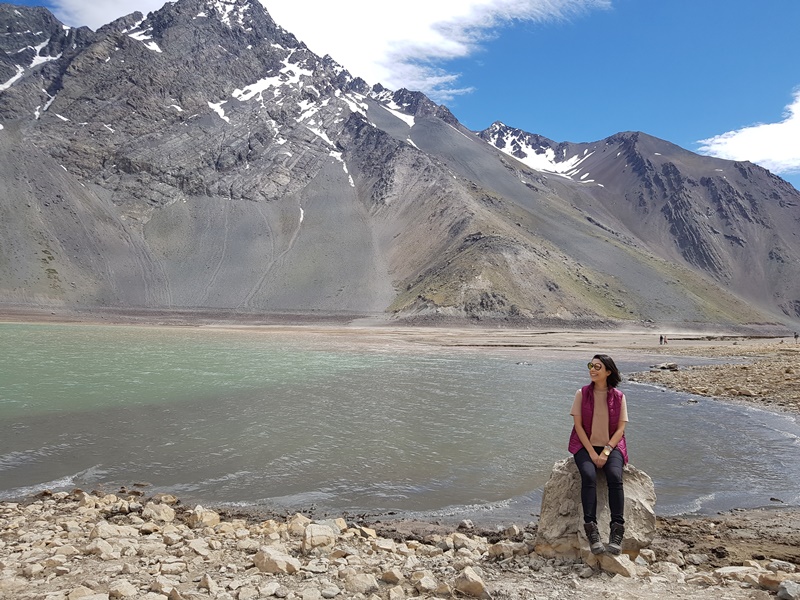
x,y
158,512
201,517
560,532
276,560
318,536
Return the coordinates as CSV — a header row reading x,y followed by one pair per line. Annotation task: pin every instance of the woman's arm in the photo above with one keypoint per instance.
x,y
617,435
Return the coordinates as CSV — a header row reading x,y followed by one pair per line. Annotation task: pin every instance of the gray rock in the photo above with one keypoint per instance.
x,y
781,565
466,524
560,532
330,591
274,560
318,536
668,366
158,512
122,588
361,583
789,590
696,559
470,583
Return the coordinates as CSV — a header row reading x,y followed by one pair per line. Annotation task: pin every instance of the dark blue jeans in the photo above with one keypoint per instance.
x,y
616,493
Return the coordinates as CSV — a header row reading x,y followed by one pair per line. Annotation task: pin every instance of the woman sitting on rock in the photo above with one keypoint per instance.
x,y
598,442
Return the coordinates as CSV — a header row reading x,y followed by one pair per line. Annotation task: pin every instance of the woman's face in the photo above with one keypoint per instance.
x,y
598,371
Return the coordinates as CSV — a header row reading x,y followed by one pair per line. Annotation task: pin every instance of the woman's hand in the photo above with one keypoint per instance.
x,y
600,460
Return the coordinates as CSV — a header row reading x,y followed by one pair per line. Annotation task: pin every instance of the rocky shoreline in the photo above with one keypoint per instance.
x,y
766,375
98,547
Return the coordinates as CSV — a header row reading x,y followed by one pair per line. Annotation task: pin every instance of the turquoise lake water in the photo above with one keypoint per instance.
x,y
289,422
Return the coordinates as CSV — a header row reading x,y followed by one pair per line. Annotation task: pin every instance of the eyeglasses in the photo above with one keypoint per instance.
x,y
595,366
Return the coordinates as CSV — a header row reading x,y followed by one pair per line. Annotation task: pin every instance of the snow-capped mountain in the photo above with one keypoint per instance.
x,y
201,157
538,152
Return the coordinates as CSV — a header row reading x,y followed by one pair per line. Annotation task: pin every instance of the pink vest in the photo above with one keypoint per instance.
x,y
614,399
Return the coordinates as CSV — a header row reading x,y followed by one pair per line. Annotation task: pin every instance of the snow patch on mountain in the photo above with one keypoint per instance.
x,y
539,155
319,133
459,131
355,102
217,108
230,13
338,156
146,39
383,96
289,75
13,80
408,119
37,58
135,26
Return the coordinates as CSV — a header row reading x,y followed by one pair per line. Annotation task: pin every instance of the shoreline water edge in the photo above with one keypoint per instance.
x,y
125,544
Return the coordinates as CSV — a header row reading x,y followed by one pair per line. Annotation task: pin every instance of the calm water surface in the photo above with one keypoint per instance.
x,y
287,422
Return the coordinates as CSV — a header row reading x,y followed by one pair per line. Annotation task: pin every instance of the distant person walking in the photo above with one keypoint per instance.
x,y
795,337
665,340
597,441
661,340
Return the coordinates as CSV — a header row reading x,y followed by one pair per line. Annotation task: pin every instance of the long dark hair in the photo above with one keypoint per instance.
x,y
614,378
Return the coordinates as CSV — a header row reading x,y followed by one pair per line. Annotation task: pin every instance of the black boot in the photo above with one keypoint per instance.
x,y
615,541
593,534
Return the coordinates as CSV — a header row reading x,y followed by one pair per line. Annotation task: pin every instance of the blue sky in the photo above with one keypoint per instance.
x,y
723,71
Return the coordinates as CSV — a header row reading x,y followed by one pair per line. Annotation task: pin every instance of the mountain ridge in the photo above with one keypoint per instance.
x,y
202,157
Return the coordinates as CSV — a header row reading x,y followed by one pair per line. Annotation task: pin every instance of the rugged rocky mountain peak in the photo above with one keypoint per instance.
x,y
32,39
418,104
202,157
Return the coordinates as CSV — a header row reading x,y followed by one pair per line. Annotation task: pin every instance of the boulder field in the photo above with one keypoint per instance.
x,y
91,546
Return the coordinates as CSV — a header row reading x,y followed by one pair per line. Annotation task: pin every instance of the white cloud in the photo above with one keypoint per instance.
x,y
774,146
396,44
400,44
97,13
